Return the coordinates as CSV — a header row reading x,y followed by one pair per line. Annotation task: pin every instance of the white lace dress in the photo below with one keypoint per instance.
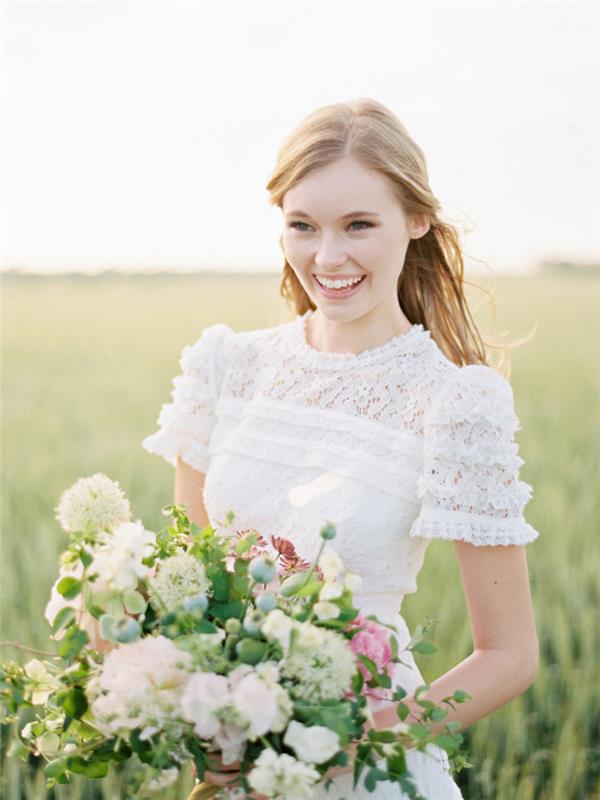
x,y
396,445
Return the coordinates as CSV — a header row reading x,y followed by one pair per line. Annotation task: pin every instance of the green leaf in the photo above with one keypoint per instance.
x,y
291,584
241,585
224,611
85,558
115,607
134,602
63,618
445,742
381,736
95,611
241,566
426,648
460,696
251,651
242,546
220,582
438,714
357,682
396,764
91,769
311,588
56,767
69,587
385,680
72,643
373,775
370,665
75,703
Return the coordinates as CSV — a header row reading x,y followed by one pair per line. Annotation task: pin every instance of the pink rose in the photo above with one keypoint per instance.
x,y
373,641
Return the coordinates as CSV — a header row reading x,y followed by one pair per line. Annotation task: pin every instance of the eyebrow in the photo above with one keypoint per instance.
x,y
346,216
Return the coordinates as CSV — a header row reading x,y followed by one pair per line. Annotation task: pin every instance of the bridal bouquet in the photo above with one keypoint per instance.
x,y
185,644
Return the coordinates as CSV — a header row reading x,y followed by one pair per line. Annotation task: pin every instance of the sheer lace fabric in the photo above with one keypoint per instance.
x,y
396,445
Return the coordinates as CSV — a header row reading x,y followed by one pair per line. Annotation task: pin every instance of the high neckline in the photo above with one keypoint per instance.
x,y
412,340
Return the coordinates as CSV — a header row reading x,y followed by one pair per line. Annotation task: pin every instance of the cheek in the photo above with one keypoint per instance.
x,y
295,251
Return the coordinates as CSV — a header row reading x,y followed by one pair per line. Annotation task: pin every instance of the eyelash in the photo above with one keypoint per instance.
x,y
356,222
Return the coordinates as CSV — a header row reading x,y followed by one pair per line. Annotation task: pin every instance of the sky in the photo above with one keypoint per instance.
x,y
141,136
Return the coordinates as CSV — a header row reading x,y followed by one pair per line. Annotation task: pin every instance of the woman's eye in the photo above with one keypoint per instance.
x,y
356,222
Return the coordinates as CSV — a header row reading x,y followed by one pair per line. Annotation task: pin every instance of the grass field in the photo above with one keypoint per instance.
x,y
86,364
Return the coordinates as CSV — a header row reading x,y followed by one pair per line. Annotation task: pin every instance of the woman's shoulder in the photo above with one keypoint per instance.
x,y
472,392
221,344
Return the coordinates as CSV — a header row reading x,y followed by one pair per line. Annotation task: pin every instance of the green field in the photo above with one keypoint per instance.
x,y
86,364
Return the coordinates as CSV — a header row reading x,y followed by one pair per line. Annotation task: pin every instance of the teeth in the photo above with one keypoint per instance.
x,y
339,284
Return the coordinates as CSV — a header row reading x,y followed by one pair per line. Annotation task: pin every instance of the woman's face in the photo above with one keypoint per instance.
x,y
343,221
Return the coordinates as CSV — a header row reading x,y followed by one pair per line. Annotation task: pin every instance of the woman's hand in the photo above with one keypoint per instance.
x,y
224,774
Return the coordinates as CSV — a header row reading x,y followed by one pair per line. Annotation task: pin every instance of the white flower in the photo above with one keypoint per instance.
x,y
314,744
27,733
278,625
119,561
320,664
96,502
268,671
331,564
352,581
282,776
48,744
57,602
139,686
285,709
256,704
43,682
164,779
331,591
263,777
178,577
310,637
231,740
204,694
326,610
214,639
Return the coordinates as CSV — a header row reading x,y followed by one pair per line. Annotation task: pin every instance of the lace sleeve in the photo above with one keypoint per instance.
x,y
186,423
470,487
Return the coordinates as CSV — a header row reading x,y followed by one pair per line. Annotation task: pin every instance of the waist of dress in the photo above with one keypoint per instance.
x,y
386,606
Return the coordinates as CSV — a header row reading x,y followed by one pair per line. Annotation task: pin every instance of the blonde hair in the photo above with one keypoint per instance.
x,y
431,284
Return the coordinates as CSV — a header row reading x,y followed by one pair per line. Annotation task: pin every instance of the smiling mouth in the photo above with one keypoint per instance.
x,y
341,288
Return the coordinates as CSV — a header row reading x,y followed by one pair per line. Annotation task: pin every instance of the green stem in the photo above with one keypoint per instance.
x,y
28,649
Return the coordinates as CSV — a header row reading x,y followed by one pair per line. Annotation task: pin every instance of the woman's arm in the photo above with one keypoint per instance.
x,y
505,659
189,485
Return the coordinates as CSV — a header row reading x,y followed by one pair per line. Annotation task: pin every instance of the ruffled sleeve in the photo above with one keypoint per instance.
x,y
470,487
186,423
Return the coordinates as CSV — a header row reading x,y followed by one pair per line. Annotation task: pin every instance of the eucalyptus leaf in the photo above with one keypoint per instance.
x,y
134,602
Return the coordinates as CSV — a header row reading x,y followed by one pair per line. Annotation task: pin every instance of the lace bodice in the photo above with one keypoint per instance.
x,y
396,445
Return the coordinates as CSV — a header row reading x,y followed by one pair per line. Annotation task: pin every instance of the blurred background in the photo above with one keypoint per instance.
x,y
137,140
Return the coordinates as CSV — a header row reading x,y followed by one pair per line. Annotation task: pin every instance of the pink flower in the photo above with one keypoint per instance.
x,y
373,641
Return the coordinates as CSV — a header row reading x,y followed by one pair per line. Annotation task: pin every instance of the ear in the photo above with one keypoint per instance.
x,y
420,226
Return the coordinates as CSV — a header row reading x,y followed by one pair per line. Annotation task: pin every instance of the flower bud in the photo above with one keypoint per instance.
x,y
328,532
262,569
128,630
233,625
266,601
253,621
195,601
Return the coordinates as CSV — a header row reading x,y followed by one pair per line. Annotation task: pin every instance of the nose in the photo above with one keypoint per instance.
x,y
329,253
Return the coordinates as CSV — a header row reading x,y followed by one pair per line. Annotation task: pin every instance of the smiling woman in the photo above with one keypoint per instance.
x,y
374,408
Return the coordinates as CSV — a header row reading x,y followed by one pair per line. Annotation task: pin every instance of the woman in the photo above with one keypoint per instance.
x,y
374,408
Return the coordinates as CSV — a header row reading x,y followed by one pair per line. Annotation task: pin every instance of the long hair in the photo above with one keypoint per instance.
x,y
431,284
